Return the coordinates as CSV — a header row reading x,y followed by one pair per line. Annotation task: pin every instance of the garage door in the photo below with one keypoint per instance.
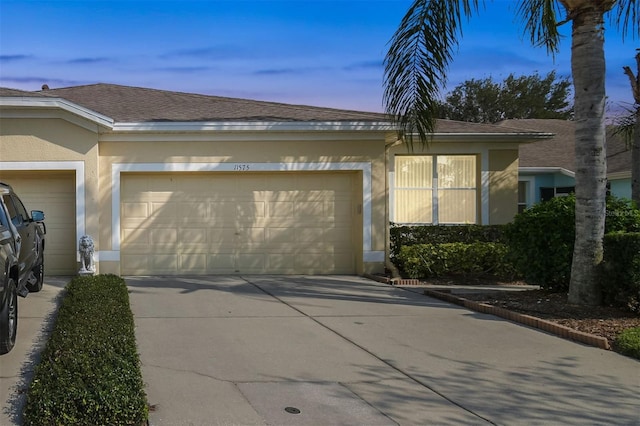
x,y
218,223
53,192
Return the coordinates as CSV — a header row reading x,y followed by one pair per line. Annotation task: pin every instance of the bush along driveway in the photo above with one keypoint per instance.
x,y
89,371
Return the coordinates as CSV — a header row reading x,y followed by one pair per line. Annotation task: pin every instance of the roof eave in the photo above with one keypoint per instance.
x,y
547,170
57,103
625,174
221,126
491,137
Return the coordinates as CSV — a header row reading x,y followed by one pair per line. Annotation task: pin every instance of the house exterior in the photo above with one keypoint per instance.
x,y
547,167
618,166
171,183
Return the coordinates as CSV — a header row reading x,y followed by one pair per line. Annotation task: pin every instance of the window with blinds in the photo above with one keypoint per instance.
x,y
437,189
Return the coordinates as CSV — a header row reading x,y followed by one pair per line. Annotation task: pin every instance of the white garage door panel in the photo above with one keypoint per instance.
x,y
54,193
228,223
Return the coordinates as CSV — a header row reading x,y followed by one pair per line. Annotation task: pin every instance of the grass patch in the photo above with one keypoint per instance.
x,y
628,342
89,373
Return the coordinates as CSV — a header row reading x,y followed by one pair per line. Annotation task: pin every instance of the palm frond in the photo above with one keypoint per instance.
x,y
540,19
417,61
627,17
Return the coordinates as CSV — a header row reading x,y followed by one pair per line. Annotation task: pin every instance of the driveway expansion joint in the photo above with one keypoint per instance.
x,y
189,371
368,351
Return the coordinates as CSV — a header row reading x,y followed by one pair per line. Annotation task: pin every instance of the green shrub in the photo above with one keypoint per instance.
x,y
541,241
620,270
541,238
470,260
622,216
89,373
628,342
403,236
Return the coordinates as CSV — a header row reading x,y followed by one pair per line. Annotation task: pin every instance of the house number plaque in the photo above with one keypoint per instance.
x,y
241,167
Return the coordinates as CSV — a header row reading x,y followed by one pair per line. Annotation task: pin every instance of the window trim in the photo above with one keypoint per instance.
x,y
435,215
529,196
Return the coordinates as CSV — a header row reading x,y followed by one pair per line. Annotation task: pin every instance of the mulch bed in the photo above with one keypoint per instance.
x,y
601,321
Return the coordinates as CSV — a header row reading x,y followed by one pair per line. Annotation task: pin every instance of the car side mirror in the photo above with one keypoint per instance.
x,y
37,215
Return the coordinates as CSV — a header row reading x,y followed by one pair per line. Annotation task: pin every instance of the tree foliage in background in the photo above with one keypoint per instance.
x,y
416,68
527,96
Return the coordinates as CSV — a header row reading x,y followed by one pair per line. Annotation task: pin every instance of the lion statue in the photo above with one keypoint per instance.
x,y
86,254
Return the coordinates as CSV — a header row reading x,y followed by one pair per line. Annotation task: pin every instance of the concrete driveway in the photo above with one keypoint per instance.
x,y
345,350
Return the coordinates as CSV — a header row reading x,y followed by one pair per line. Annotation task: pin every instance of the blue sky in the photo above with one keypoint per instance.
x,y
314,52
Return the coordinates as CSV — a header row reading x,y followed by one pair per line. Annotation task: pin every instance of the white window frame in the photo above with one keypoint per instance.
x,y
529,195
479,189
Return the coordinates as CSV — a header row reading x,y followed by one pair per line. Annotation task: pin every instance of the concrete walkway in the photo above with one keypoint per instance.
x,y
336,350
35,315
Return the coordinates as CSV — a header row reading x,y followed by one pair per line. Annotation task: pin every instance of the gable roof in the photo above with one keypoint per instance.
x,y
559,151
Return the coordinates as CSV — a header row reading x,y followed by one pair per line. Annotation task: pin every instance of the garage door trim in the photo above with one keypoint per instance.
x,y
77,166
364,167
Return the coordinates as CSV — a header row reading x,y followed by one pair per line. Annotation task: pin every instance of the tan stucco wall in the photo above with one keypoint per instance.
x,y
53,144
252,148
59,139
503,186
55,139
51,139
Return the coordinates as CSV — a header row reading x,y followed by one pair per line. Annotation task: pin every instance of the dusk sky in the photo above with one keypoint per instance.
x,y
314,52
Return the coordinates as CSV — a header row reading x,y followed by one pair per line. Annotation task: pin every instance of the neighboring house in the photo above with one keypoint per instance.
x,y
618,165
176,183
547,167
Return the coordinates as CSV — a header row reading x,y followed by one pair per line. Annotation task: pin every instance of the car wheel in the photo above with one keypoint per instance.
x,y
38,271
9,318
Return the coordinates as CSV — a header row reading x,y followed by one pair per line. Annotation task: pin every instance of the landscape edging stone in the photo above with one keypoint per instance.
x,y
528,320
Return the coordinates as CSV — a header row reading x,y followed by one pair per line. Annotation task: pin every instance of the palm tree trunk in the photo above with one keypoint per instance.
x,y
588,69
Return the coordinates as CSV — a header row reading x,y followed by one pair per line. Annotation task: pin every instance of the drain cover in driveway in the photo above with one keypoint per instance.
x,y
296,403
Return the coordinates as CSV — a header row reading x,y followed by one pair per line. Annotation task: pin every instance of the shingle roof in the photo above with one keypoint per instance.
x,y
135,104
559,151
618,154
452,126
7,92
555,152
125,104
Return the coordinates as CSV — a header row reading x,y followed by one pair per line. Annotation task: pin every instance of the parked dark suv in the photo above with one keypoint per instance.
x,y
21,260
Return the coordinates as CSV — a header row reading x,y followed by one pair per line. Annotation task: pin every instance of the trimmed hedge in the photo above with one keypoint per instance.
x,y
620,270
403,236
475,259
89,373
